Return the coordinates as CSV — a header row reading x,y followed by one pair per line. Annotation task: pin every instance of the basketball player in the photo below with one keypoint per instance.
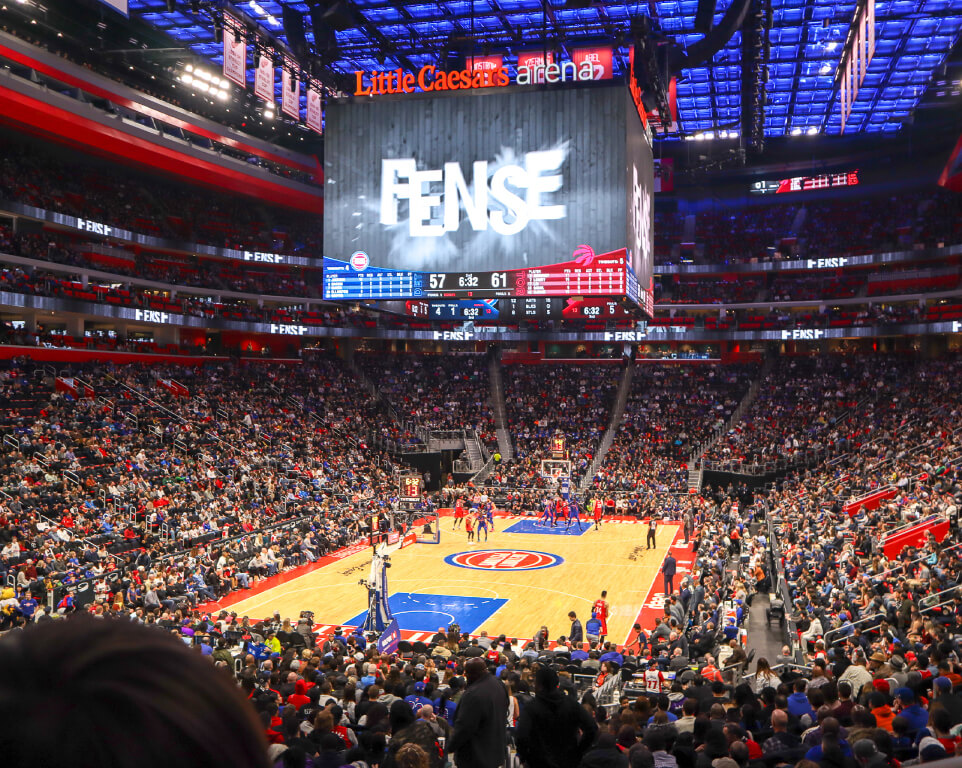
x,y
547,514
488,509
574,513
600,611
560,510
599,512
469,526
482,525
458,512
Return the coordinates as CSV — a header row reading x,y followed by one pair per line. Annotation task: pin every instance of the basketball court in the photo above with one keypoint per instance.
x,y
524,576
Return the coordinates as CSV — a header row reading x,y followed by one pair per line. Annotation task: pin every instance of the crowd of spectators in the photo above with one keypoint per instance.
x,y
671,410
868,678
438,392
175,268
111,194
574,401
175,483
806,404
813,229
710,290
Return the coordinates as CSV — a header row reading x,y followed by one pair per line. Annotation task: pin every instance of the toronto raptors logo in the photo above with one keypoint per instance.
x,y
504,560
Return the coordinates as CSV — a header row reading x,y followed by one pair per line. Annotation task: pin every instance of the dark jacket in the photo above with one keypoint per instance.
x,y
478,740
547,732
604,757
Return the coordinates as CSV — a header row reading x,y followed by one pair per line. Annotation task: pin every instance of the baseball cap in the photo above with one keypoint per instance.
x,y
905,694
864,748
930,748
418,687
944,683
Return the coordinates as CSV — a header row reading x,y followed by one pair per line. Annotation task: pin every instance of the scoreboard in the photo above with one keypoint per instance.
x,y
607,274
506,194
514,310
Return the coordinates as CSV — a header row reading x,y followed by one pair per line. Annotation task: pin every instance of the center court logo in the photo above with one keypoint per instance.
x,y
504,560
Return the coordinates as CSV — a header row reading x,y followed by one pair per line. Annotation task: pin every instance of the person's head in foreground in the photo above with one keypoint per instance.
x,y
89,693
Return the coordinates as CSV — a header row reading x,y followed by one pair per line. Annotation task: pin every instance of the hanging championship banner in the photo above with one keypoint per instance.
x,y
291,90
264,77
235,51
314,107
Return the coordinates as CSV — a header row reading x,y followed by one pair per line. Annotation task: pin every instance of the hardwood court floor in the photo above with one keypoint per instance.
x,y
511,584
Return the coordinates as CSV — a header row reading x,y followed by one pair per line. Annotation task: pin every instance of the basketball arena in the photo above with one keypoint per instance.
x,y
480,384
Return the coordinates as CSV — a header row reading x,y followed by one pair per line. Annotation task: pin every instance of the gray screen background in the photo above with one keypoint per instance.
x,y
466,128
640,229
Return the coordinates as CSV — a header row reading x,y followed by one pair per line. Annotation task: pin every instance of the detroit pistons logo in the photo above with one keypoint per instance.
x,y
504,560
360,260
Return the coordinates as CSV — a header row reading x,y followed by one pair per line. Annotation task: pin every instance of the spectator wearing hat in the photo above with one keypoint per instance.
x,y
911,710
946,698
420,697
867,754
930,750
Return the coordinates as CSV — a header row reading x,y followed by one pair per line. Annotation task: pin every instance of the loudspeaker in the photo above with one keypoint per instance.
x,y
294,30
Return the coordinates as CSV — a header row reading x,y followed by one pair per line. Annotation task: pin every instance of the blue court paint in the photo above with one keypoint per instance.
x,y
531,525
425,613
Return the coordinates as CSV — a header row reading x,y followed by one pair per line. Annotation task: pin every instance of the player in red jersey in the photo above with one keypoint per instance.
x,y
469,526
560,510
598,512
600,611
458,512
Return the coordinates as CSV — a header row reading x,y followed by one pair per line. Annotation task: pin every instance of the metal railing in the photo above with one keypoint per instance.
x,y
848,627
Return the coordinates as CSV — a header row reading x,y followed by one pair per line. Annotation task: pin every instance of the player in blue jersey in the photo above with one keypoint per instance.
x,y
482,525
574,513
488,510
547,514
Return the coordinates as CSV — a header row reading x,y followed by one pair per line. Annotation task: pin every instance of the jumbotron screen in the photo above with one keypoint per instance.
x,y
499,193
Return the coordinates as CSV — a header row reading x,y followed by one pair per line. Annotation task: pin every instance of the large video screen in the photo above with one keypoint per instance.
x,y
499,191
